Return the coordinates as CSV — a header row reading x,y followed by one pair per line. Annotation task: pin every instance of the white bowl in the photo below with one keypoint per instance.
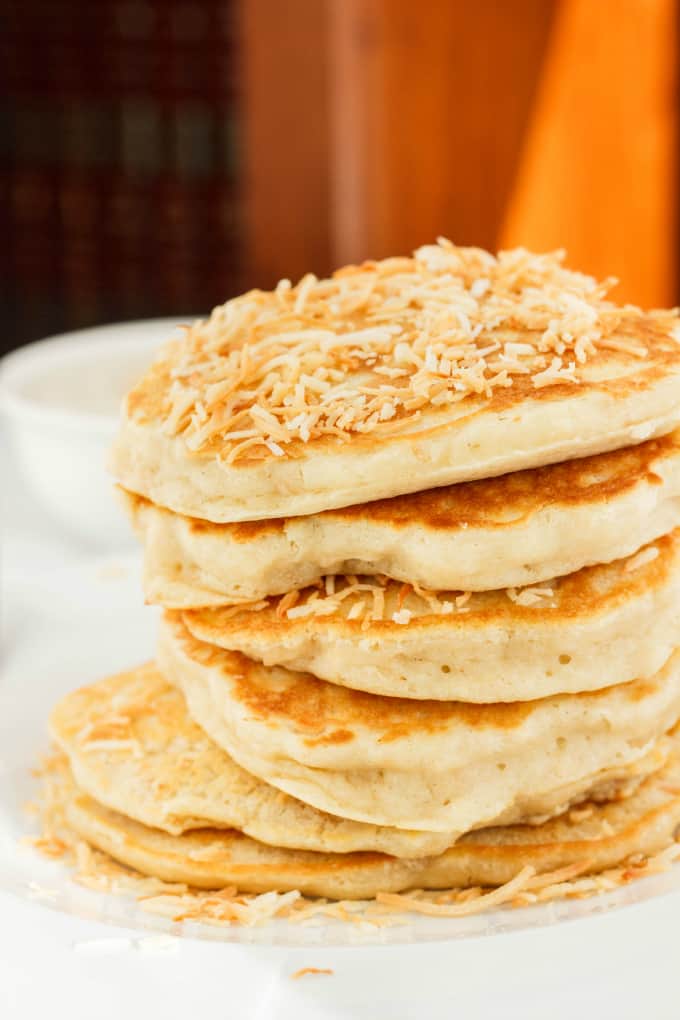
x,y
60,398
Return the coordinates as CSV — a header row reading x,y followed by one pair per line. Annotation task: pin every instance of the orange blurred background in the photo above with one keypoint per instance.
x,y
158,156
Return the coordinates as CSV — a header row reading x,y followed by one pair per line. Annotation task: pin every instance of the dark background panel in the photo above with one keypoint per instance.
x,y
119,161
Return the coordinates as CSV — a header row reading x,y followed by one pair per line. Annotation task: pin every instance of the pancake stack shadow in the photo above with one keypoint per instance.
x,y
416,533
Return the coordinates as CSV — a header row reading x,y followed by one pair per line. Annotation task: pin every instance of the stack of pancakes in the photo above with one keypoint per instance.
x,y
413,530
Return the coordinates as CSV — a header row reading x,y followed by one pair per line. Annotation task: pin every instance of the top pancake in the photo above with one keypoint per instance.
x,y
392,378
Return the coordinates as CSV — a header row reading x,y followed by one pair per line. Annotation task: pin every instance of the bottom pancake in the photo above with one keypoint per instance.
x,y
133,748
594,838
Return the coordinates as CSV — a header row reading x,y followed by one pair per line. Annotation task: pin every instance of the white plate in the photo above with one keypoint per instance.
x,y
69,626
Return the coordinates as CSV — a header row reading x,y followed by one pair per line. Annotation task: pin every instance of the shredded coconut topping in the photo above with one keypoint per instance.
x,y
368,599
529,596
305,971
378,598
376,344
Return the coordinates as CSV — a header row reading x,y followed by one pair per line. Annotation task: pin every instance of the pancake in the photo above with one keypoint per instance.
x,y
505,532
438,766
598,627
133,747
605,837
394,377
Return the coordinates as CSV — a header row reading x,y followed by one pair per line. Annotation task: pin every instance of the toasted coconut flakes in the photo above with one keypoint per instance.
x,y
624,346
378,611
387,411
48,845
556,372
642,558
274,447
239,448
367,598
529,596
267,371
240,434
483,902
315,607
235,607
357,610
287,602
517,350
479,287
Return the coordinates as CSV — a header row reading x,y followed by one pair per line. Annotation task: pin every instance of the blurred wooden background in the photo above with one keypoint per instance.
x,y
374,125
158,156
